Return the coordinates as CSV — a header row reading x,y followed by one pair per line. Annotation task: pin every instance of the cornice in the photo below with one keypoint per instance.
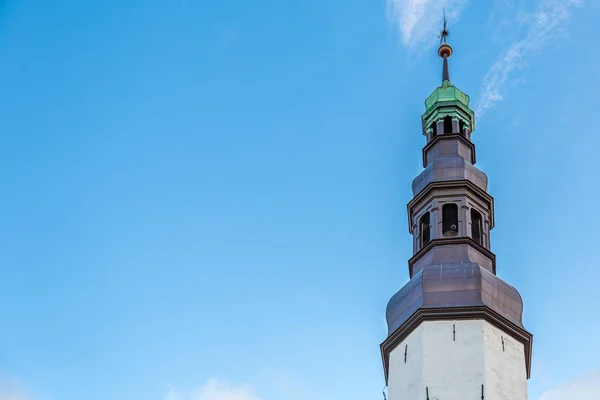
x,y
456,313
448,136
442,105
450,241
447,185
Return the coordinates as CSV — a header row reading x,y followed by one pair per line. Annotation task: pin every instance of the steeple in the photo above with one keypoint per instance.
x,y
447,108
455,329
445,72
445,51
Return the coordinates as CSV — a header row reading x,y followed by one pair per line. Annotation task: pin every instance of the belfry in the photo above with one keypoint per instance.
x,y
455,330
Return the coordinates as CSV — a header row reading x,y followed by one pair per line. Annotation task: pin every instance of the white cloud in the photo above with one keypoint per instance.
x,y
173,394
418,21
214,390
11,396
587,387
539,27
10,388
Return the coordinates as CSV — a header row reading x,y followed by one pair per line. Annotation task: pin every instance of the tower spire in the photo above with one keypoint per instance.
x,y
445,50
455,330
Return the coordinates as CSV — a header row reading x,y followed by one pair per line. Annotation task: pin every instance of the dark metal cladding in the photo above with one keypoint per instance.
x,y
449,169
445,72
454,285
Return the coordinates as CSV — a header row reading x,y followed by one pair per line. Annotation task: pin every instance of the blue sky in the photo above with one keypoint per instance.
x,y
207,200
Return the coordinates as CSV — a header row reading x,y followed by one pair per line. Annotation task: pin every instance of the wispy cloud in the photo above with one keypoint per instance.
x,y
11,388
586,387
419,20
539,28
12,396
214,389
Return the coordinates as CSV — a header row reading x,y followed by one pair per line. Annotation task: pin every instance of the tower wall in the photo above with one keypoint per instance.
x,y
453,359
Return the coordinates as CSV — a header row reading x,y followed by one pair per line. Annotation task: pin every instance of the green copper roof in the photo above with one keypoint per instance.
x,y
446,92
448,97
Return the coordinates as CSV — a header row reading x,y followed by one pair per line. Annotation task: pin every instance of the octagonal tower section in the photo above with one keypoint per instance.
x,y
455,329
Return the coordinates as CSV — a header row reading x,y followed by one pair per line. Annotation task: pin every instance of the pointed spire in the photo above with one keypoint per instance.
x,y
445,50
445,72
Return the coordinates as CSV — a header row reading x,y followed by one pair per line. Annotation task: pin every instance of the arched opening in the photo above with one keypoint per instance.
x,y
450,220
433,129
447,124
425,229
461,127
476,226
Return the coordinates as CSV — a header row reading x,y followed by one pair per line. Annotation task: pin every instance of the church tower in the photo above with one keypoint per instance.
x,y
455,330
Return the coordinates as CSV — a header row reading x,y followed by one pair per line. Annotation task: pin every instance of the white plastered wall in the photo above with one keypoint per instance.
x,y
454,366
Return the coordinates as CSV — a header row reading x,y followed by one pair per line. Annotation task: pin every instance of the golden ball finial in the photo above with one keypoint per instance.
x,y
445,50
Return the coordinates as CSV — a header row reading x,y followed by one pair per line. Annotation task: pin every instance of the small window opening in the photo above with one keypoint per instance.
x,y
476,227
450,220
433,129
447,124
461,126
425,229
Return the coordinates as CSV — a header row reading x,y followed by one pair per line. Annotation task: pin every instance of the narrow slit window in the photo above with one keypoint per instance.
x,y
450,220
433,129
447,124
476,226
425,228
